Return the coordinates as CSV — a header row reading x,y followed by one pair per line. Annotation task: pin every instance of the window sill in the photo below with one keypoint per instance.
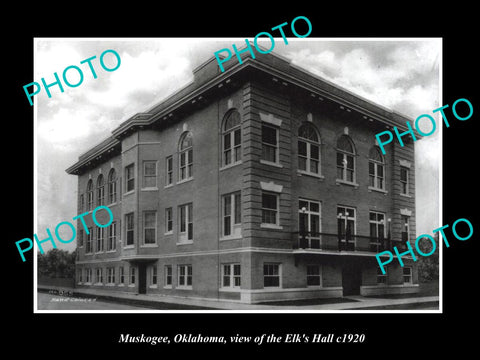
x,y
271,226
306,173
187,242
340,181
129,192
88,283
149,189
111,251
266,162
229,166
110,284
168,186
314,286
231,237
230,289
126,247
168,233
112,204
149,245
121,285
98,284
152,286
184,288
370,188
131,285
167,287
405,195
185,180
99,252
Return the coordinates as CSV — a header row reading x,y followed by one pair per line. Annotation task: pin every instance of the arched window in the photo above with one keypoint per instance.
x,y
100,190
345,159
186,156
376,168
112,186
308,149
90,195
232,138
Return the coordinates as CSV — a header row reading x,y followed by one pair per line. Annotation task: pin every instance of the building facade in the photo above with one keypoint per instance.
x,y
260,183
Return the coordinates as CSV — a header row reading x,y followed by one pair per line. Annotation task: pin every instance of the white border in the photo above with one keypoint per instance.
x,y
35,164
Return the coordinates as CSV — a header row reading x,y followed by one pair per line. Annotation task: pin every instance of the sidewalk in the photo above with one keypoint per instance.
x,y
358,303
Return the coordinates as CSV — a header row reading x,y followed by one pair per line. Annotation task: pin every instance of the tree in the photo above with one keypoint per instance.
x,y
428,265
57,264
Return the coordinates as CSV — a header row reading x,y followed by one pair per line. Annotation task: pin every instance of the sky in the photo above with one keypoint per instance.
x,y
400,74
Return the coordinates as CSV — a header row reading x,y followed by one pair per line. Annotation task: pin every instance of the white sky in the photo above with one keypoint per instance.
x,y
402,75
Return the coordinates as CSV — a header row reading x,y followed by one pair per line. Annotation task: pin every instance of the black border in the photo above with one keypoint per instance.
x,y
77,334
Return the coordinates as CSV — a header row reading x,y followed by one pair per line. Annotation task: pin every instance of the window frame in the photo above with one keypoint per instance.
x,y
310,276
276,210
186,236
235,214
382,279
145,176
264,158
100,190
308,156
266,265
376,165
234,151
232,276
309,214
132,276
187,152
112,237
345,156
169,170
168,276
154,228
100,240
410,275
89,241
129,216
347,219
168,220
121,275
185,272
111,275
130,181
90,196
112,186
404,184
153,276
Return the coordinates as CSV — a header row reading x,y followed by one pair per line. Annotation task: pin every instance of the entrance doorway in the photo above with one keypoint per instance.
x,y
351,278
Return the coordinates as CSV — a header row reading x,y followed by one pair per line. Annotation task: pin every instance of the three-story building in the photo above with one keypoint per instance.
x,y
263,182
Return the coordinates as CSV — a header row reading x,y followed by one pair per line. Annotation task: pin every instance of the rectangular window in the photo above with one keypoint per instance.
x,y
129,228
130,177
313,275
149,174
185,276
186,222
112,190
270,208
80,238
99,276
168,275
153,278
269,143
100,238
377,226
89,245
232,214
232,152
271,275
309,223
169,170
150,227
100,194
122,275
404,175
405,228
231,275
345,167
186,164
112,237
168,220
111,275
88,275
132,275
346,227
407,275
381,277
90,200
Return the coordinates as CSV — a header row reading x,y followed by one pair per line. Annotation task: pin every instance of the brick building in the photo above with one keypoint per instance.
x,y
260,183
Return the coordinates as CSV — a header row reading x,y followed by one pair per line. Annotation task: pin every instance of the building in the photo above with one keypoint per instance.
x,y
260,183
